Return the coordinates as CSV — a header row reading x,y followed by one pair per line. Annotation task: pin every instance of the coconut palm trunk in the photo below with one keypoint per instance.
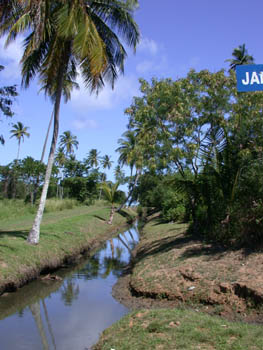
x,y
111,214
33,237
46,138
18,151
42,157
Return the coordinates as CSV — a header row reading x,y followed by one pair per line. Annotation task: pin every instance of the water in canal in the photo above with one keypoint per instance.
x,y
67,314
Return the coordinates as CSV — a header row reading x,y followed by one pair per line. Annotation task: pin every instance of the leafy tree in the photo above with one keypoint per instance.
x,y
19,131
201,130
81,188
5,177
62,35
32,171
7,95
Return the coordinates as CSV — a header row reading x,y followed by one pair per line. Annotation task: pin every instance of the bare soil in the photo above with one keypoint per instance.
x,y
172,269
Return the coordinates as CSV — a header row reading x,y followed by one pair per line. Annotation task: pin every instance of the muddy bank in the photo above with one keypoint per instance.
x,y
171,269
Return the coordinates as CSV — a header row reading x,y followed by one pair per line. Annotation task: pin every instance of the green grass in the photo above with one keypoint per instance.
x,y
63,233
176,329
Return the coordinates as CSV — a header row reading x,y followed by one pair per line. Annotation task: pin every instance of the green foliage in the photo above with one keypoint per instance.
x,y
81,188
110,192
7,96
159,192
200,131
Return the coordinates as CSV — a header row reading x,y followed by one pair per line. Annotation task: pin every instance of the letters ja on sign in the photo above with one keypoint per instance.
x,y
253,78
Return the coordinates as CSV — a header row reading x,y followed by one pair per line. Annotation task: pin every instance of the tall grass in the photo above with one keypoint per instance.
x,y
13,208
60,204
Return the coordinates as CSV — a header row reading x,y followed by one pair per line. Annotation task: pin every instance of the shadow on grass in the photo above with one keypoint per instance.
x,y
130,218
181,241
99,217
6,246
20,234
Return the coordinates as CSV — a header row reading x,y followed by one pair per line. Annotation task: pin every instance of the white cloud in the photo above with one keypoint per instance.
x,y
145,66
10,58
158,65
83,123
125,88
148,45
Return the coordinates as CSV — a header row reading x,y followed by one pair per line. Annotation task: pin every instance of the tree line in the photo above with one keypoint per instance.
x,y
197,145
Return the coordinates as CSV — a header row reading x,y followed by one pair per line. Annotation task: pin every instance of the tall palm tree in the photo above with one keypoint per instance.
x,y
240,57
106,164
60,161
19,131
68,141
93,158
64,35
131,155
127,147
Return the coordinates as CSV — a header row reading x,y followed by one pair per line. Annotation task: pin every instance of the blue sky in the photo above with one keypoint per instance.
x,y
175,37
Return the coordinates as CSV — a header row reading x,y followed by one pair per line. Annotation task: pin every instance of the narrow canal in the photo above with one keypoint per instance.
x,y
68,313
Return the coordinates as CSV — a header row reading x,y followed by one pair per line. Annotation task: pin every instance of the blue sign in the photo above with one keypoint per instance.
x,y
249,77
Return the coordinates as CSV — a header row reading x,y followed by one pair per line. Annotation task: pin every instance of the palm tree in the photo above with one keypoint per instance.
x,y
119,175
19,131
106,162
93,158
64,35
110,192
240,57
60,161
127,147
131,155
68,141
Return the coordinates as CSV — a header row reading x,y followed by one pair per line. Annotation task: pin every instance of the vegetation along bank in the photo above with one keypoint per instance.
x,y
187,294
66,235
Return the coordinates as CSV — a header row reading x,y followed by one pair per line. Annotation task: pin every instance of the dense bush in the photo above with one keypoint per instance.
x,y
81,188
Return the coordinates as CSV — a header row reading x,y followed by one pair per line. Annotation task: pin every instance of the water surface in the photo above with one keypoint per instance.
x,y
67,314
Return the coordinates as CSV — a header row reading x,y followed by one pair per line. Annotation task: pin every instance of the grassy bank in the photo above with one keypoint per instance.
x,y
176,329
65,234
177,280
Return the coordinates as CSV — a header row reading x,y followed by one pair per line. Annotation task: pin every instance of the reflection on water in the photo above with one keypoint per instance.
x,y
69,313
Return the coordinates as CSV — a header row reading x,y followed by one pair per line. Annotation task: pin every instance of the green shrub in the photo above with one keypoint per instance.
x,y
60,204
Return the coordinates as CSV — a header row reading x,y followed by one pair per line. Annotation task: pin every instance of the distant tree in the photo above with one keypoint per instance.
x,y
240,57
119,175
32,171
106,162
19,131
7,95
64,35
93,158
68,142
